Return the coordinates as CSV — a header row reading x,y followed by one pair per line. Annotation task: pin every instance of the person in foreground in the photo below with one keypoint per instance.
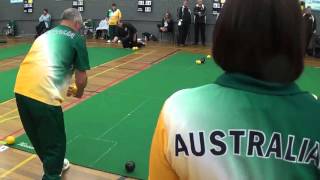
x,y
41,85
253,122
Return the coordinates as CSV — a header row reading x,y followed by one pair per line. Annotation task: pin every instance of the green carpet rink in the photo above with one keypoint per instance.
x,y
116,126
13,51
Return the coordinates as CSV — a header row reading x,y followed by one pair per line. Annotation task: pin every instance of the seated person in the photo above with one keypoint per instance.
x,y
44,23
88,28
11,29
127,33
167,23
102,29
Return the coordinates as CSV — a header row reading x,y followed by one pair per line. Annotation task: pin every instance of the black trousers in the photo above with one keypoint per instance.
x,y
183,33
202,28
129,42
44,125
308,39
99,33
40,29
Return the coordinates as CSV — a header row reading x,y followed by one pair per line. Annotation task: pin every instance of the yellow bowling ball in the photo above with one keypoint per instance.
x,y
10,140
74,89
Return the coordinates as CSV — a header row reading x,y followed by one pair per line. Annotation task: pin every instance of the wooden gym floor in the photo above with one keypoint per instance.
x,y
19,165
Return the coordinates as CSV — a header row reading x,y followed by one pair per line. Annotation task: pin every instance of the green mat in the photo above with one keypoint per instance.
x,y
117,125
13,51
97,57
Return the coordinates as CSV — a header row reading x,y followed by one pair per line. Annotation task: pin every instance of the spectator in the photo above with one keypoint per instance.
x,y
46,18
114,15
44,23
102,29
200,22
310,25
166,24
184,21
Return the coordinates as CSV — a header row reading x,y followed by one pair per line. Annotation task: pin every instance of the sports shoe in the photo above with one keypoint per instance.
x,y
66,165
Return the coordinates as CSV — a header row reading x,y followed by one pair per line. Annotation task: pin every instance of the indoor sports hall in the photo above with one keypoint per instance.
x,y
159,89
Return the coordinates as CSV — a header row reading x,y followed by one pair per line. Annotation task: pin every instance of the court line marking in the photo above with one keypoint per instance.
x,y
8,119
11,60
66,106
33,156
91,69
104,154
111,83
6,173
7,101
114,126
90,77
121,78
123,118
135,95
73,139
5,114
110,69
12,133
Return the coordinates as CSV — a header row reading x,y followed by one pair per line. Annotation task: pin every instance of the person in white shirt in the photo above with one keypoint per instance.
x,y
44,23
102,29
46,18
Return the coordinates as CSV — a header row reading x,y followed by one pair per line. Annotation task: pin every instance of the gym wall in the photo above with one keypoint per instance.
x,y
96,9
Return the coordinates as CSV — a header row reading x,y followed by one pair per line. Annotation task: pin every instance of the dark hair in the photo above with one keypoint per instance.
x,y
169,14
46,10
113,4
260,38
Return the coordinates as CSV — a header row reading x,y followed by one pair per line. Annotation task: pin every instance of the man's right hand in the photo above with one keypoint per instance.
x,y
81,82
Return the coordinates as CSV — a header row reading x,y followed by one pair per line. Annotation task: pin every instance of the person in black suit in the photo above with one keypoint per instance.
x,y
166,24
309,24
200,22
184,21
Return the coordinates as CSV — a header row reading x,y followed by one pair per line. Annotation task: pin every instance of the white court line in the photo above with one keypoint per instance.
x,y
122,119
73,139
136,95
104,154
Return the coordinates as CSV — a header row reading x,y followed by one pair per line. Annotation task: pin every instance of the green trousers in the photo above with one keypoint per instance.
x,y
113,31
44,125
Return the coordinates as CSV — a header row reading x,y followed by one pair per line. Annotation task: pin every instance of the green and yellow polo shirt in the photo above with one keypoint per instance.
x,y
46,71
114,17
238,128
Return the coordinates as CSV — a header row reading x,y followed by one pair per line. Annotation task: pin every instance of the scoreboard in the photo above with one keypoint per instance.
x,y
78,4
217,6
145,6
28,6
